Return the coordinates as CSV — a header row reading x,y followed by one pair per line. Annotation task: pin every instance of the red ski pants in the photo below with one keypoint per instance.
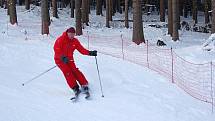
x,y
72,74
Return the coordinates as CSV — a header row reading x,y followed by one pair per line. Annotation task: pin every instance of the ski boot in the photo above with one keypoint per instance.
x,y
77,91
85,89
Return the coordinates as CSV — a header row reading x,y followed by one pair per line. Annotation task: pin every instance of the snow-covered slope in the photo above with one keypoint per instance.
x,y
132,93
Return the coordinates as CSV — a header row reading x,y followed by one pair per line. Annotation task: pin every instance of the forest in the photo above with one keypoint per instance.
x,y
170,11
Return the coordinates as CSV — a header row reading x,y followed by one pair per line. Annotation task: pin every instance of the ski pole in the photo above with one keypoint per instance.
x,y
23,84
99,77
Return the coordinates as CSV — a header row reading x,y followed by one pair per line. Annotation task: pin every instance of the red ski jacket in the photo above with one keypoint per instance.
x,y
66,47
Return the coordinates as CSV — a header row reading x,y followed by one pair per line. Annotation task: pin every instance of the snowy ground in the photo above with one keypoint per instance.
x,y
132,93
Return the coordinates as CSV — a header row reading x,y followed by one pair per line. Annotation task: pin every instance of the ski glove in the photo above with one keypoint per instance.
x,y
64,59
93,53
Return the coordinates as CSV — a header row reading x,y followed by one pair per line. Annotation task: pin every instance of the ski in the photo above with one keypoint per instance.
x,y
74,99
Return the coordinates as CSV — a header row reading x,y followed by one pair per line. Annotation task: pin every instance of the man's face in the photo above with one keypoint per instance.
x,y
70,35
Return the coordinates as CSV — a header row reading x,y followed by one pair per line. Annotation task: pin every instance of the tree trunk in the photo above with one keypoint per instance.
x,y
7,6
138,36
175,12
54,8
185,8
126,14
88,8
114,2
20,2
170,17
98,7
45,17
78,17
27,4
107,13
12,10
1,3
195,11
213,17
72,5
162,11
110,10
206,11
88,11
84,12
180,4
118,7
178,13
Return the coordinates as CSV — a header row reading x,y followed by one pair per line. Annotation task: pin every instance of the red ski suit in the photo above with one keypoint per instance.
x,y
66,47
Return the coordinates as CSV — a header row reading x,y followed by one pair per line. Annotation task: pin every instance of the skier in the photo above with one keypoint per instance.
x,y
64,48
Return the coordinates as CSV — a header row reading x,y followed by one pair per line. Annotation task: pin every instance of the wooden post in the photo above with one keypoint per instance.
x,y
123,57
172,65
147,54
88,40
212,86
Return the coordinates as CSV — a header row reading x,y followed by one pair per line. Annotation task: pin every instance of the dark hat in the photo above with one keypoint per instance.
x,y
71,30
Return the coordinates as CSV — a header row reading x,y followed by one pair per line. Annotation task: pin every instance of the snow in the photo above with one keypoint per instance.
x,y
132,92
209,43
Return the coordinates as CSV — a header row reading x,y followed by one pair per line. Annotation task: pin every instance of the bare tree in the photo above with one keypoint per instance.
x,y
138,36
213,16
45,17
98,7
126,14
27,4
170,17
78,17
72,5
107,13
162,11
12,12
175,35
54,8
